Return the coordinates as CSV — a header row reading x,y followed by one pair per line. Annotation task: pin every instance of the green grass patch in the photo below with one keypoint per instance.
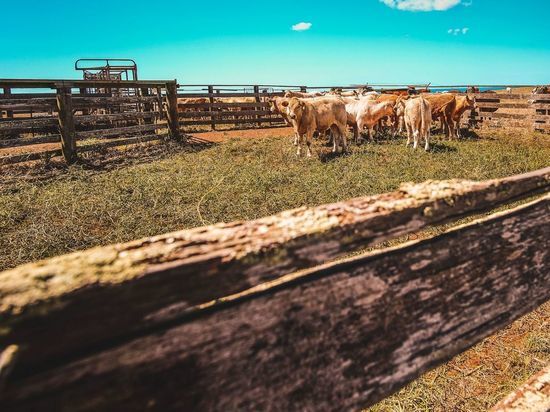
x,y
239,179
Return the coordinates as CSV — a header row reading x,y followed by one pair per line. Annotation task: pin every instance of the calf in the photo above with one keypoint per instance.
x,y
463,103
417,115
318,115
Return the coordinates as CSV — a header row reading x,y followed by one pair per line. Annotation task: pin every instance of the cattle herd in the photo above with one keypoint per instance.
x,y
366,111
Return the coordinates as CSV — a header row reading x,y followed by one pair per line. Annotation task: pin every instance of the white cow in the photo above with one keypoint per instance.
x,y
417,115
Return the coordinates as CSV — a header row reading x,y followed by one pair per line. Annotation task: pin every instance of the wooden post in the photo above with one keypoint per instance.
x,y
146,107
211,98
257,97
66,124
82,92
159,102
7,95
303,89
172,110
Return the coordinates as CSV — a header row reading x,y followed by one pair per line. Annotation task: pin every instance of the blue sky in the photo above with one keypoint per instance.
x,y
353,41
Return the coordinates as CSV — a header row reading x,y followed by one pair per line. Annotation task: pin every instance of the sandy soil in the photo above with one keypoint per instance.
x,y
209,136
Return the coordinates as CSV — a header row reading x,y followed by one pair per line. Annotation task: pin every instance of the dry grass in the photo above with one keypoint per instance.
x,y
480,377
175,188
240,179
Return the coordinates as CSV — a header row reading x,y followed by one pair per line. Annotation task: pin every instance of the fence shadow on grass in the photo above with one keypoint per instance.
x,y
98,161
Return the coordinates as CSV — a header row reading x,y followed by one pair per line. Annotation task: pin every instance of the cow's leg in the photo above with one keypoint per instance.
x,y
296,138
427,138
409,133
372,133
309,139
450,126
360,128
300,142
458,131
416,136
343,139
355,134
442,126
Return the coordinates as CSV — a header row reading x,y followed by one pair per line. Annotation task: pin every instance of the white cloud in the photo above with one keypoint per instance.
x,y
456,32
421,5
301,26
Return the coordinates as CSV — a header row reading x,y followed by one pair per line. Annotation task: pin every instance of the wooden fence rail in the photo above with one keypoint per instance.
x,y
240,316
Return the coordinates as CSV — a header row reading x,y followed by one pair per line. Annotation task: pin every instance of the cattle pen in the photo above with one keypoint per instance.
x,y
334,306
106,113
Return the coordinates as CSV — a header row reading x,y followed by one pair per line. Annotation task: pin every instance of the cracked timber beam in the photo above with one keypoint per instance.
x,y
174,273
337,337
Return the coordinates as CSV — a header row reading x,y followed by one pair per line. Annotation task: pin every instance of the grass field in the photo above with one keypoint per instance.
x,y
250,178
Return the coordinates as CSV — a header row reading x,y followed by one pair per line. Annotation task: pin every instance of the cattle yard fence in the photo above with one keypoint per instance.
x,y
86,115
274,314
98,114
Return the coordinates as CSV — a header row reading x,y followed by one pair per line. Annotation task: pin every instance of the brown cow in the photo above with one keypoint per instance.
x,y
276,106
318,115
443,106
463,103
393,120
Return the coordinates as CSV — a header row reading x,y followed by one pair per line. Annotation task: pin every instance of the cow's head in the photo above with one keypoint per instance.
x,y
294,108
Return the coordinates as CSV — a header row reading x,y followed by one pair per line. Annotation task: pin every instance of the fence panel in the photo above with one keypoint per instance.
x,y
235,331
115,112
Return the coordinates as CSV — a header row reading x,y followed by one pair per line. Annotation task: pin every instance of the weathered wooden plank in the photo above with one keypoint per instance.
x,y
533,396
223,114
19,97
29,141
222,105
34,107
111,101
504,105
275,119
192,267
219,95
80,84
118,131
339,337
87,119
512,96
507,115
28,124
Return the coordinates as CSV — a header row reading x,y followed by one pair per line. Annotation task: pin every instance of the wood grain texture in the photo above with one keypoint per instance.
x,y
338,337
40,301
533,396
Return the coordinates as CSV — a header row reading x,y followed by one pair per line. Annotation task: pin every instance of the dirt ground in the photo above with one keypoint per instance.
x,y
209,136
